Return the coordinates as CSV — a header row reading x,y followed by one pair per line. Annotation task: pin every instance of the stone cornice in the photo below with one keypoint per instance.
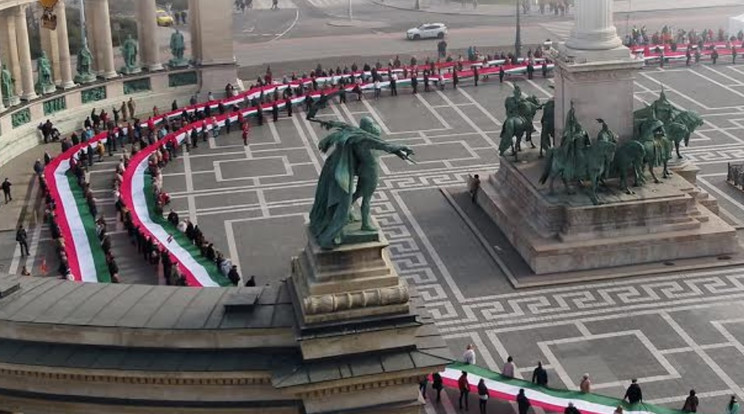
x,y
147,338
412,376
135,377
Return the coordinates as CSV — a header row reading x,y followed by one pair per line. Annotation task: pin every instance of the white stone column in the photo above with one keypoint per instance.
x,y
24,54
10,47
103,26
594,29
148,36
50,45
2,106
91,29
195,30
65,63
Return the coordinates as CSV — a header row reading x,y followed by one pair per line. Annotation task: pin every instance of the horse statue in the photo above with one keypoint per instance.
x,y
629,155
528,110
547,134
520,114
681,127
650,133
578,160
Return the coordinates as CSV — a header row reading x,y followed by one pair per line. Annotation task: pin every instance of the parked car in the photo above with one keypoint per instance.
x,y
163,18
427,31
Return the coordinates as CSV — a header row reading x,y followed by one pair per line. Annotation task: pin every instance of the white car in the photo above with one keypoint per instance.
x,y
427,31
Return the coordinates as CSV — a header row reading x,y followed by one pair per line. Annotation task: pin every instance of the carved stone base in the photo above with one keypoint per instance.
x,y
11,101
178,63
564,233
47,89
85,78
126,70
350,281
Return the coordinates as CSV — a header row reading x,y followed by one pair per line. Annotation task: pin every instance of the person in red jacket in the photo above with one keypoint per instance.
x,y
464,387
246,129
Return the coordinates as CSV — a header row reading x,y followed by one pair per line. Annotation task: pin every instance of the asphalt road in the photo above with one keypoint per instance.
x,y
304,32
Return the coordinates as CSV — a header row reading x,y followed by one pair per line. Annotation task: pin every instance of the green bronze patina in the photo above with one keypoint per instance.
x,y
7,85
520,113
137,85
355,154
84,66
20,117
55,105
182,79
45,83
547,122
129,50
678,124
93,94
578,159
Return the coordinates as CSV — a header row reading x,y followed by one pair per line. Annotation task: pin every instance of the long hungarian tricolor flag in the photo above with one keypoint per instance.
x,y
77,225
137,194
550,399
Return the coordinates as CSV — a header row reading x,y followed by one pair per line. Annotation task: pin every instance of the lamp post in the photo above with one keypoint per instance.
x,y
518,40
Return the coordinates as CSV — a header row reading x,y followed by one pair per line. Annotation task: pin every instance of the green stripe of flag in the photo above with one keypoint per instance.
x,y
214,273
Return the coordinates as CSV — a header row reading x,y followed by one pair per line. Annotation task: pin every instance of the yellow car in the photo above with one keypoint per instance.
x,y
163,18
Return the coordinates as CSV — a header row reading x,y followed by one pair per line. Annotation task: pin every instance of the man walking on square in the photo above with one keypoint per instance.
x,y
6,191
464,387
21,238
523,403
634,393
540,375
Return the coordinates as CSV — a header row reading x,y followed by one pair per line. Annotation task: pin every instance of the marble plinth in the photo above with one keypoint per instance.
x,y
130,70
566,233
11,101
600,85
351,281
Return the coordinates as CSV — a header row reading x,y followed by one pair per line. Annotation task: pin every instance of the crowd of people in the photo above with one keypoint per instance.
x,y
667,35
633,394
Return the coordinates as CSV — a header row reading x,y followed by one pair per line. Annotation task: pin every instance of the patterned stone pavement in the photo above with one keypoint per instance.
x,y
673,332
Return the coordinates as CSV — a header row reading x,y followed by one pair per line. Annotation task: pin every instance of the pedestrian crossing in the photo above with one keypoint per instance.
x,y
559,31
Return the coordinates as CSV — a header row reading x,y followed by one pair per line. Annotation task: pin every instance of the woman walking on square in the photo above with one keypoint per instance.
x,y
482,396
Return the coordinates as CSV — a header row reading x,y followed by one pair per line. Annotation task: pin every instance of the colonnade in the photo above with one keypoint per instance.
x,y
15,48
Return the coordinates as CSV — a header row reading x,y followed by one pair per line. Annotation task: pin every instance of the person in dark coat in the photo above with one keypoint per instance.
x,y
414,83
522,402
233,275
501,74
173,218
540,375
633,394
275,111
251,282
437,384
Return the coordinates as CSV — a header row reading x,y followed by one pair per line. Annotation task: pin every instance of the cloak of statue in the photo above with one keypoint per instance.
x,y
334,196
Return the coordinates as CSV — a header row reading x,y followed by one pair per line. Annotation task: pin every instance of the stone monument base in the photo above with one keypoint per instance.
x,y
178,63
353,285
130,70
561,233
11,101
47,89
85,78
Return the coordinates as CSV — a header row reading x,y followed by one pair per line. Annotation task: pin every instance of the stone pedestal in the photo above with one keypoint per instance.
x,y
565,233
130,70
350,281
598,89
595,72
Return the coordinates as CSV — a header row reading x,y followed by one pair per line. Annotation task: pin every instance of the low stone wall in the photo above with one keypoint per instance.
x,y
68,108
